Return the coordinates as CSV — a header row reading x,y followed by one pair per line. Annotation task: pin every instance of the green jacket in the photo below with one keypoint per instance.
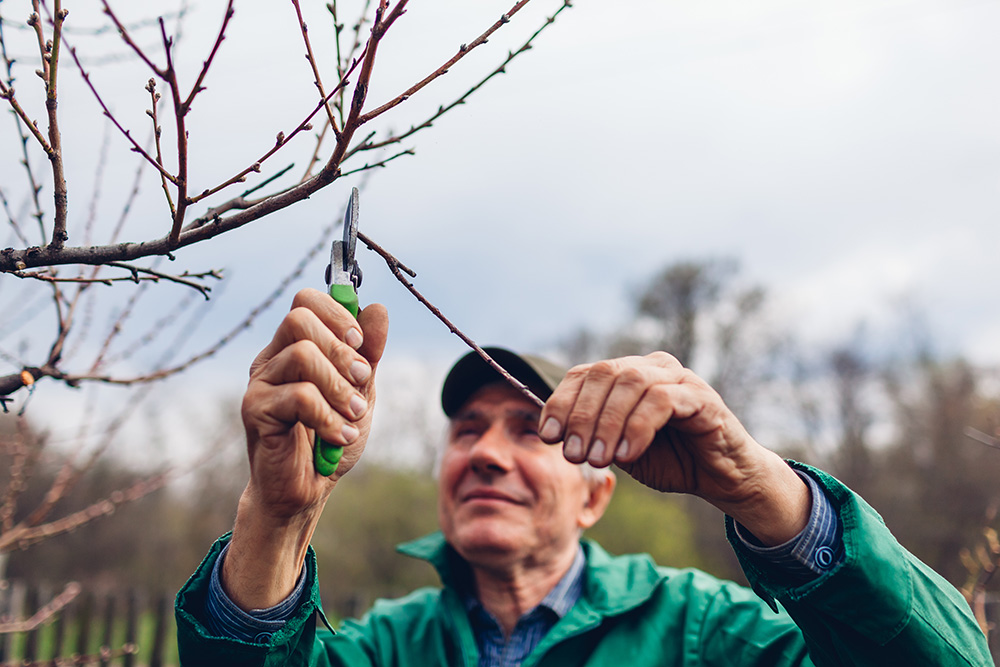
x,y
880,607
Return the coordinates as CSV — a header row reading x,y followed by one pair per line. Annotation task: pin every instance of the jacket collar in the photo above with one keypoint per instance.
x,y
612,584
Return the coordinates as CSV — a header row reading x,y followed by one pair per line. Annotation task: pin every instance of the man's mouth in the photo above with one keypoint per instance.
x,y
488,494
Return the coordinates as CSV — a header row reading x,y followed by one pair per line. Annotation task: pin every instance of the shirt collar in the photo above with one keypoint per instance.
x,y
559,600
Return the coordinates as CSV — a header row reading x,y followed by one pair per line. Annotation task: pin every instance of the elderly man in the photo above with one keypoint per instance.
x,y
519,584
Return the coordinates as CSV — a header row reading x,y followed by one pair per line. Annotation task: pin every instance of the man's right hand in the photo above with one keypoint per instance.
x,y
317,375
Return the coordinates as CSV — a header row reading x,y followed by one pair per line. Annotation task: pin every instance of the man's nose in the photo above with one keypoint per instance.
x,y
492,453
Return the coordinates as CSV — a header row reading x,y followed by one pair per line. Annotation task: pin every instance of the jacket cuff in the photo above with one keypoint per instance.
x,y
873,561
199,645
814,551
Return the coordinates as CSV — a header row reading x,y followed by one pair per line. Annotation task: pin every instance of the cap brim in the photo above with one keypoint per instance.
x,y
471,373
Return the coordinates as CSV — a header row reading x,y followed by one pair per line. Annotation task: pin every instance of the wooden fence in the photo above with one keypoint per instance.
x,y
127,628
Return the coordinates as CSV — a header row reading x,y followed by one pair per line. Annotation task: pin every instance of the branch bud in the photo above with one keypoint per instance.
x,y
505,19
151,85
255,167
280,139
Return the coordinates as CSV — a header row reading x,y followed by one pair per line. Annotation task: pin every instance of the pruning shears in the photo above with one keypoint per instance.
x,y
343,278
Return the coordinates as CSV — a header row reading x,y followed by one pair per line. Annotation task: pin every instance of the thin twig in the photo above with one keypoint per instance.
x,y
155,330
380,163
59,191
23,536
981,437
25,161
198,84
180,127
126,36
148,275
245,324
501,69
8,94
11,219
136,148
46,613
154,98
398,269
463,51
317,79
281,140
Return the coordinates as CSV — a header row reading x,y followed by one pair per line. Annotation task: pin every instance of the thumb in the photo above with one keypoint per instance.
x,y
374,321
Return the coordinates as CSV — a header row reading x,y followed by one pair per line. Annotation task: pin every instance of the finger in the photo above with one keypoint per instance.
x,y
332,314
688,405
374,322
276,409
632,385
629,387
559,405
582,418
649,415
304,324
303,361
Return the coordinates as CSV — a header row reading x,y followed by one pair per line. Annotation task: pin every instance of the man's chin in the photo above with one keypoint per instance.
x,y
481,538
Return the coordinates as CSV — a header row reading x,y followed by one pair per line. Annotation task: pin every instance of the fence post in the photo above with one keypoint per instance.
x,y
131,623
84,613
109,624
5,596
30,651
59,634
164,607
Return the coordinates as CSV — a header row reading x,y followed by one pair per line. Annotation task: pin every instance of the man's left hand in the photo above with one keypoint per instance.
x,y
669,429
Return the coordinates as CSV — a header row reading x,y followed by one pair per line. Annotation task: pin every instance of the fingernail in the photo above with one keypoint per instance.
x,y
622,449
354,338
360,370
550,429
349,432
358,405
597,453
573,449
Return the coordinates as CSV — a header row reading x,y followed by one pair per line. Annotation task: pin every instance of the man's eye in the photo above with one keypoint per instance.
x,y
465,433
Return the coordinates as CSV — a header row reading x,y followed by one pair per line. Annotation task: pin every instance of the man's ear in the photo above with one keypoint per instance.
x,y
599,491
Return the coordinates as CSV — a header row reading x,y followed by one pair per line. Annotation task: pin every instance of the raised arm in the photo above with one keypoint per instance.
x,y
316,375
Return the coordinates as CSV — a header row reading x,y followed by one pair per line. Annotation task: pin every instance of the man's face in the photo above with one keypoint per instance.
x,y
504,495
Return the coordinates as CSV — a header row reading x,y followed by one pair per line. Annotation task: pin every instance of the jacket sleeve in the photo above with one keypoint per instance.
x,y
880,606
296,644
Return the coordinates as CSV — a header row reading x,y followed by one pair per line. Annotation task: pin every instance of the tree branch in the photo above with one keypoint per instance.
x,y
501,69
315,67
59,191
197,87
463,51
44,614
398,269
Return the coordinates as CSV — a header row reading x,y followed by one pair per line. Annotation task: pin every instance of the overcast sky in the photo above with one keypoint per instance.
x,y
846,153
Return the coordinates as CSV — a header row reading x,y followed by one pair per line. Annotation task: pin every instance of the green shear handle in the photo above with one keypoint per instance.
x,y
343,277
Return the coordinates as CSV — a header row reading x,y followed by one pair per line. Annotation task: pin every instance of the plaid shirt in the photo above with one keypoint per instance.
x,y
495,650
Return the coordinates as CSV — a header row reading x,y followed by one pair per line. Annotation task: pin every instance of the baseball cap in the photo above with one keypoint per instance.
x,y
471,373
